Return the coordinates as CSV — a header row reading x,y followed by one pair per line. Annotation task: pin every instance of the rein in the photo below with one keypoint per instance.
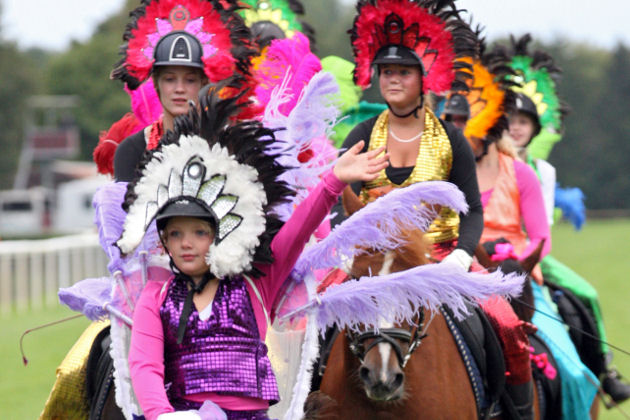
x,y
393,336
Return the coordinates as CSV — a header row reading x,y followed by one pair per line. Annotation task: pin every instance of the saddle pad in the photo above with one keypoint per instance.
x,y
486,352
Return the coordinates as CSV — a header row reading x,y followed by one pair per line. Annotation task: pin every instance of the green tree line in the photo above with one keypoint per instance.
x,y
595,84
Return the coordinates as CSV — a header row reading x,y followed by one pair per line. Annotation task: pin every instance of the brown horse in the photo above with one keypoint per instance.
x,y
398,373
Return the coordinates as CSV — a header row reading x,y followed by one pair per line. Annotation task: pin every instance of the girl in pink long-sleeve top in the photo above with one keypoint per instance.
x,y
197,341
512,198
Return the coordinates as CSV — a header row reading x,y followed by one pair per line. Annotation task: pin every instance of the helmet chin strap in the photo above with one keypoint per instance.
x,y
413,111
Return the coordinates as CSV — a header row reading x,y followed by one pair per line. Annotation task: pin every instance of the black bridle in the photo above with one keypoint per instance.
x,y
393,336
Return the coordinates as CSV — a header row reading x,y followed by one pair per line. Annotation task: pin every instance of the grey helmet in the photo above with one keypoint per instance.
x,y
457,104
525,105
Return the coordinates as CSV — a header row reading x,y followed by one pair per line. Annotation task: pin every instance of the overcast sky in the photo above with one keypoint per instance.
x,y
52,24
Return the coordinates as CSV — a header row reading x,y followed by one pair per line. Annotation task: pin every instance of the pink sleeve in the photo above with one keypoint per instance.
x,y
532,209
290,240
146,354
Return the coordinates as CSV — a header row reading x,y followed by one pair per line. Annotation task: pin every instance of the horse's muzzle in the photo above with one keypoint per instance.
x,y
376,389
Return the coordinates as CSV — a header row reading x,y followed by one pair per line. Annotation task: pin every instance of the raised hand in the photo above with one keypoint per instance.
x,y
355,166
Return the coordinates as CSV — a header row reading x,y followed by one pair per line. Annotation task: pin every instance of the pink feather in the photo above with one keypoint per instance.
x,y
292,56
145,103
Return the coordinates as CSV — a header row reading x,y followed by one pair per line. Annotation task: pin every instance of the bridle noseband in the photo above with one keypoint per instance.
x,y
393,336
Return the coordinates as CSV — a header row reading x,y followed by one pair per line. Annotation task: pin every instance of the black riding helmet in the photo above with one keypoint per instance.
x,y
178,48
398,54
265,31
404,56
457,105
526,106
184,208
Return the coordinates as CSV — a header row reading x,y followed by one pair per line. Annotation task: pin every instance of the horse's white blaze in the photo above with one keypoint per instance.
x,y
385,348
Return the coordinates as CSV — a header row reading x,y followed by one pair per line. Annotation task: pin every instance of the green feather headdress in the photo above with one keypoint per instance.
x,y
539,86
536,76
283,13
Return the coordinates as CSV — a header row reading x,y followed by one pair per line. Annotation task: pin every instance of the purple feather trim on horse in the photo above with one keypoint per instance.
x,y
379,224
109,218
88,296
398,296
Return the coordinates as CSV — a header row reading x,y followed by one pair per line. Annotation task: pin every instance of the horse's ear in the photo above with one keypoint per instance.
x,y
483,257
529,262
351,202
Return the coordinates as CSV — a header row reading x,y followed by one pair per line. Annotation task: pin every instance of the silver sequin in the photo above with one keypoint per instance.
x,y
223,205
228,224
193,176
174,185
211,189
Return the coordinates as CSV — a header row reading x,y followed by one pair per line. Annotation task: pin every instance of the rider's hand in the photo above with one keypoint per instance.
x,y
459,258
355,166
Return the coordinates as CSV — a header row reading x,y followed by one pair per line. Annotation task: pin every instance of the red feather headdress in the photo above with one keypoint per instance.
x,y
430,28
223,36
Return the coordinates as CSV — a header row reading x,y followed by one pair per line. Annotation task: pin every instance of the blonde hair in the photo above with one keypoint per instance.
x,y
506,146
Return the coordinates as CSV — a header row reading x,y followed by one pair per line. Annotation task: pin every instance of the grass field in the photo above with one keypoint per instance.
x,y
598,253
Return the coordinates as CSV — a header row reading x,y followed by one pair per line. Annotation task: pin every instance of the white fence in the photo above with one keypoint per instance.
x,y
32,271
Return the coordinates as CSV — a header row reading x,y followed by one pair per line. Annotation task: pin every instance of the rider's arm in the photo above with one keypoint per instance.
x,y
127,156
532,209
146,354
548,183
290,240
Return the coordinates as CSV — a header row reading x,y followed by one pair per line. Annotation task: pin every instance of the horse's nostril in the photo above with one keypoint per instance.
x,y
398,381
364,374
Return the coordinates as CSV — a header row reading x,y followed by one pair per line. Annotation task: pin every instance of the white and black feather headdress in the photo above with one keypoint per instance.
x,y
226,168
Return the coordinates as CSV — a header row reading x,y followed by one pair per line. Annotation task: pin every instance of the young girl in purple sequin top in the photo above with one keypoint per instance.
x,y
199,338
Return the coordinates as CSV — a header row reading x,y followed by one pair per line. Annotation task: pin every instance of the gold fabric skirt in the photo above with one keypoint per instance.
x,y
68,398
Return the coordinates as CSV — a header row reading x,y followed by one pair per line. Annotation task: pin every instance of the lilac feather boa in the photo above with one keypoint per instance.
x,y
379,225
88,296
398,297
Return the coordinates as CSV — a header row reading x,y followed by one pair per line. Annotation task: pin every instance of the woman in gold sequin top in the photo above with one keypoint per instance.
x,y
416,49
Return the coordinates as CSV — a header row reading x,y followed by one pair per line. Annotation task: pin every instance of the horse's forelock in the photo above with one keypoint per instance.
x,y
414,252
368,263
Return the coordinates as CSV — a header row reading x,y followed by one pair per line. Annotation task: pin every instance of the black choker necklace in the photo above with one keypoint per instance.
x,y
413,111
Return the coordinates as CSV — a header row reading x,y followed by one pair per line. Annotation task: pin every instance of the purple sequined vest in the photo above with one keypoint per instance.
x,y
223,354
